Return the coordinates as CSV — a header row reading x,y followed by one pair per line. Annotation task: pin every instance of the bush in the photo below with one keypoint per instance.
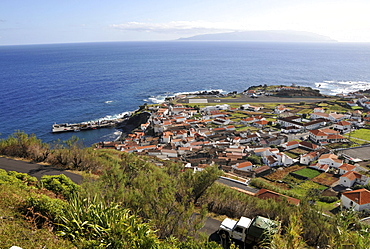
x,y
328,199
15,177
43,210
60,184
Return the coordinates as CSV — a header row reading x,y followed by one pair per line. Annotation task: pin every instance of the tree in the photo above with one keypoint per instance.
x,y
255,160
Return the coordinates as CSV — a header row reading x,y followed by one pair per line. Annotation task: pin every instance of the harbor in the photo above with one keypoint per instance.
x,y
91,125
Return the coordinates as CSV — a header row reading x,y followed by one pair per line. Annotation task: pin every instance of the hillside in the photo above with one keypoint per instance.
x,y
263,36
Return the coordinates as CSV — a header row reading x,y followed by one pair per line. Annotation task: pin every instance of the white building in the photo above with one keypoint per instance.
x,y
357,200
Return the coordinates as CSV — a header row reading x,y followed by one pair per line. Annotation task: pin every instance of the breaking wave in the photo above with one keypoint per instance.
x,y
162,97
341,87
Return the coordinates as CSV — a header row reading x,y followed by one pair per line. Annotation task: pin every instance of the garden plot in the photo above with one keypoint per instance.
x,y
306,173
325,179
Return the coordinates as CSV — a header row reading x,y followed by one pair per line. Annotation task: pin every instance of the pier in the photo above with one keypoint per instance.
x,y
91,125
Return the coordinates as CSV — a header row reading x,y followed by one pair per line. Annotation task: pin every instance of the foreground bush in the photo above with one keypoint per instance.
x,y
60,184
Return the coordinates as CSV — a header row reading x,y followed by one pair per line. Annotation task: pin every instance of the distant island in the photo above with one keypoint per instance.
x,y
263,36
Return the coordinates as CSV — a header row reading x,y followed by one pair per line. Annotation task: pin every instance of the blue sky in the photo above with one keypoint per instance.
x,y
67,21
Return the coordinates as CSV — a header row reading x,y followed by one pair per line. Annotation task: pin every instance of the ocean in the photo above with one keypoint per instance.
x,y
66,83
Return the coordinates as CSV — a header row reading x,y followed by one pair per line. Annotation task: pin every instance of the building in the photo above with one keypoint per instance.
x,y
268,194
357,200
331,160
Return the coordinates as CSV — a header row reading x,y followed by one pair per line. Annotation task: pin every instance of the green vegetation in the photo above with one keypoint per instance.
x,y
363,134
306,172
132,203
303,188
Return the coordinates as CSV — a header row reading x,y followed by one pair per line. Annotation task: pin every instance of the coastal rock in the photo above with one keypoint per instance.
x,y
133,122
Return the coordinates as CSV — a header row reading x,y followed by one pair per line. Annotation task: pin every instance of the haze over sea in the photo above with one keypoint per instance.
x,y
59,83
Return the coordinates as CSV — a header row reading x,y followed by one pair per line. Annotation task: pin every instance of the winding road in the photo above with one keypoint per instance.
x,y
36,170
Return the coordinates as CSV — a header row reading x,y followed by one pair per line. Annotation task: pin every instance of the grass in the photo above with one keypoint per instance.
x,y
302,188
15,230
357,141
305,111
361,134
306,172
327,207
292,155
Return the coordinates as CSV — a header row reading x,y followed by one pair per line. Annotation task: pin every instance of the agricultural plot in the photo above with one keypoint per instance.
x,y
306,172
361,134
302,188
325,179
298,151
283,172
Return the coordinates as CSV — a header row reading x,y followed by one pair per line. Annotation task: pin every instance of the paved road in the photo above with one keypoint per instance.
x,y
234,184
35,170
362,152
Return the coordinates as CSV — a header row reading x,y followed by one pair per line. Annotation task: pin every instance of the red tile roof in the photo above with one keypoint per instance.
x,y
352,175
360,196
268,194
347,167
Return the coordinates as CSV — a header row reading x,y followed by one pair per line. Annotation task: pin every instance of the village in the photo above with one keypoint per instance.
x,y
299,147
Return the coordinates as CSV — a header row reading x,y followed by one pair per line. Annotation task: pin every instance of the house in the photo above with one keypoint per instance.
x,y
320,167
343,126
334,117
357,200
277,159
318,109
318,136
314,124
265,194
260,124
290,121
352,177
254,108
330,159
345,167
290,145
244,166
317,115
309,157
290,129
248,120
222,121
262,171
308,145
280,109
351,103
323,136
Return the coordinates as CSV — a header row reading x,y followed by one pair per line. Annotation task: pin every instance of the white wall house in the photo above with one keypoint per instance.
x,y
308,158
343,126
331,160
352,177
357,200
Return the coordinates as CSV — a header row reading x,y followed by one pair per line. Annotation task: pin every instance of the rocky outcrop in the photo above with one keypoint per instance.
x,y
133,122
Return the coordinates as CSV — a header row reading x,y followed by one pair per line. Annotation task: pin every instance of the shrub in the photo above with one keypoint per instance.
x,y
328,199
43,210
92,223
60,184
15,177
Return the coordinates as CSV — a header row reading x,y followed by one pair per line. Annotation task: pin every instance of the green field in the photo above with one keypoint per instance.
x,y
306,172
301,189
361,134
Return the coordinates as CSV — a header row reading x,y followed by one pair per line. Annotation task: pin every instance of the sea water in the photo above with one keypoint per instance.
x,y
65,83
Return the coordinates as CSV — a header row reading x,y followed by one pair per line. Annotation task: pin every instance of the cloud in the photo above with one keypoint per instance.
x,y
183,27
